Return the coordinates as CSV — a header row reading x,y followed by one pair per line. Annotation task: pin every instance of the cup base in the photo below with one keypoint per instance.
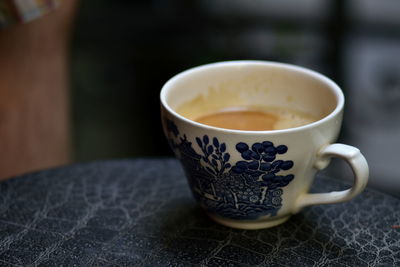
x,y
248,225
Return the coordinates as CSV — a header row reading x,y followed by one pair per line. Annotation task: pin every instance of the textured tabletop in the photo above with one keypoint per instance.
x,y
140,212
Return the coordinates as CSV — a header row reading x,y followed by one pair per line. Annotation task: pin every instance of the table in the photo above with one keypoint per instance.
x,y
140,212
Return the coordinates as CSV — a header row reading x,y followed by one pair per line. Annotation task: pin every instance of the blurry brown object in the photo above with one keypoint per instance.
x,y
34,106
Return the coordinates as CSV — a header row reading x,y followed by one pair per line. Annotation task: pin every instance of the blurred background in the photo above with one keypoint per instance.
x,y
124,51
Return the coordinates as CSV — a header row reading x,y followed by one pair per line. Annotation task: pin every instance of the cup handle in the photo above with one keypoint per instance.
x,y
358,165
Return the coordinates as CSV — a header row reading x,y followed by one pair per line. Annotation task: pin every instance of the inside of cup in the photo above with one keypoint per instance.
x,y
216,87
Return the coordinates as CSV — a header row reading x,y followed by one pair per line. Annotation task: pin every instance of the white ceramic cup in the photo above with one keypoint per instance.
x,y
257,179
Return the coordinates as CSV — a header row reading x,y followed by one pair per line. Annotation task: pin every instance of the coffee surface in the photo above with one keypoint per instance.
x,y
249,119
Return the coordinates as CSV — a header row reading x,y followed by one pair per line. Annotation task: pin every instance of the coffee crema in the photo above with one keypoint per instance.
x,y
254,119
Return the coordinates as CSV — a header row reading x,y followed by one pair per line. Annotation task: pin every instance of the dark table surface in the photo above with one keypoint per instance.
x,y
140,212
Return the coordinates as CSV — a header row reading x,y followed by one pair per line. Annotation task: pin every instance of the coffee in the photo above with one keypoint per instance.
x,y
252,119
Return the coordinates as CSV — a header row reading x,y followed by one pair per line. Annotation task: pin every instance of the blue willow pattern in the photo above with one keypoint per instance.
x,y
251,188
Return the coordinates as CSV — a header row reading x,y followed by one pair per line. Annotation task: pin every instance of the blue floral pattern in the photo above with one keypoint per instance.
x,y
250,188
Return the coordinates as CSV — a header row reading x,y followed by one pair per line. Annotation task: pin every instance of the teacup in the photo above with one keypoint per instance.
x,y
256,179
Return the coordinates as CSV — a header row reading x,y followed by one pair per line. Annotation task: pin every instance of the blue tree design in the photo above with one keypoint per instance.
x,y
259,170
171,127
249,189
215,159
260,163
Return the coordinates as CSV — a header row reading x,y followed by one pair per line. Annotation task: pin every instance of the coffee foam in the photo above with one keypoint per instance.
x,y
291,119
283,118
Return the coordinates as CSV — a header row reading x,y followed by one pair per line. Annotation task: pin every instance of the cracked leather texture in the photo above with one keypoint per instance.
x,y
140,212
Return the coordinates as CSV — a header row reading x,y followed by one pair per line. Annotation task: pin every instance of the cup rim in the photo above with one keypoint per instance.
x,y
316,75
